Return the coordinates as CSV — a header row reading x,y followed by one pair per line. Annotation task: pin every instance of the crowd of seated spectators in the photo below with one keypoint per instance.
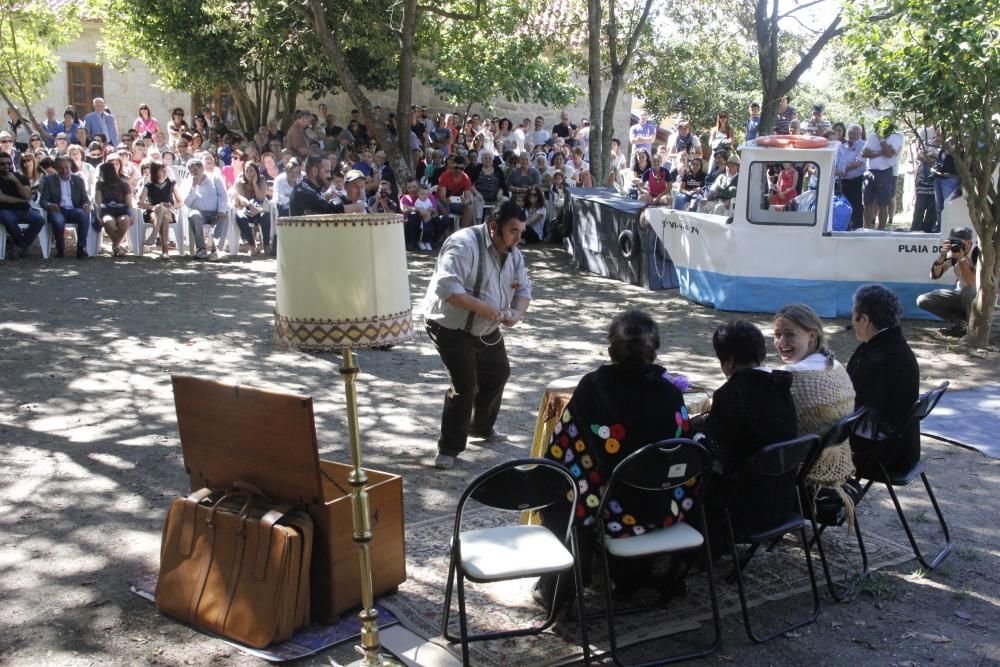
x,y
142,170
468,165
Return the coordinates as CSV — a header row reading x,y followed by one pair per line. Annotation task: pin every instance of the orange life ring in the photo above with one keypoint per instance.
x,y
792,141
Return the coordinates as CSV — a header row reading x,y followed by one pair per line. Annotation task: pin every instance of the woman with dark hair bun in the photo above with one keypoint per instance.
x,y
753,409
614,411
886,380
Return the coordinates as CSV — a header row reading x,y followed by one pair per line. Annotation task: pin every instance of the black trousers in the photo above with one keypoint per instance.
x,y
478,369
852,188
924,214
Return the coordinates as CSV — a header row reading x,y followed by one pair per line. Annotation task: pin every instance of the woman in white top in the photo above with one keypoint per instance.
x,y
284,183
823,395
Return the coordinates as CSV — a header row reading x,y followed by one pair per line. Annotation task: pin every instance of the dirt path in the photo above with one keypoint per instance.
x,y
90,454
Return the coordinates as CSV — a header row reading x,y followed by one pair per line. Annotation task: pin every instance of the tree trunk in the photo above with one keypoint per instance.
x,y
981,317
599,136
330,42
400,154
766,33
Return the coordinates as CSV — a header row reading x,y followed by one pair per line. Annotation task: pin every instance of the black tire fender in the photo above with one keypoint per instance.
x,y
628,243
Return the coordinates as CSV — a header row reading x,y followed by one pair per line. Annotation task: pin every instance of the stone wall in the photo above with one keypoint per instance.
x,y
124,91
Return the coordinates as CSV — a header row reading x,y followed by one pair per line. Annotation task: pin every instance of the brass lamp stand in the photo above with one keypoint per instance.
x,y
371,647
342,285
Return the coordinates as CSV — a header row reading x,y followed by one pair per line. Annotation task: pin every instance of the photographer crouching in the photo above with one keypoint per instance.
x,y
954,305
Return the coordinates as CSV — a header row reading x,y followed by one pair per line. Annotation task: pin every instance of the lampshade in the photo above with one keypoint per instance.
x,y
342,280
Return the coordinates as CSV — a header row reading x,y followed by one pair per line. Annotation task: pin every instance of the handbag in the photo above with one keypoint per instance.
x,y
236,565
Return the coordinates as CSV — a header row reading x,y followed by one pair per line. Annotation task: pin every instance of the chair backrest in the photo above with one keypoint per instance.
x,y
659,467
926,403
779,462
520,485
844,428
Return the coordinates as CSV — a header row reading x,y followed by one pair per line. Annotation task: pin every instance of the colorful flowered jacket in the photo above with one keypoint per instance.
x,y
614,411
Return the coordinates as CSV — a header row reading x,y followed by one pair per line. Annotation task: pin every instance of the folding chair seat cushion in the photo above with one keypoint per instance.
x,y
512,552
678,537
792,523
895,477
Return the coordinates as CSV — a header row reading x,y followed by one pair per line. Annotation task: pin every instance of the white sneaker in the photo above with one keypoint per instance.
x,y
213,256
444,462
428,247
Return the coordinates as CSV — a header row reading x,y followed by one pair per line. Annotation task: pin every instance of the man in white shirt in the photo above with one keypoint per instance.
x,y
207,203
880,182
539,135
521,135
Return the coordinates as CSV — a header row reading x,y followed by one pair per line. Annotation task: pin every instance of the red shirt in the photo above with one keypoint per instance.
x,y
454,184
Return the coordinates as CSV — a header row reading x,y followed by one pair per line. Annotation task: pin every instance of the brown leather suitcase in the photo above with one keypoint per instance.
x,y
236,565
267,438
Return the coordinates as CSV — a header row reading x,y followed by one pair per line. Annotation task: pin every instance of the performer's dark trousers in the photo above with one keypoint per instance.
x,y
478,369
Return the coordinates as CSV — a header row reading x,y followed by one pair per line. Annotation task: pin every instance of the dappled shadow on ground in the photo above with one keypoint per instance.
x,y
90,451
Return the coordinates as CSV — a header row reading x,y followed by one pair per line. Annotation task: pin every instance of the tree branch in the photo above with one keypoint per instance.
x,y
807,59
457,16
800,8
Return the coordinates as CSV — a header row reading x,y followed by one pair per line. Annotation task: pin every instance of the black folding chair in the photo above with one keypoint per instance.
x,y
514,551
658,469
775,469
837,434
875,471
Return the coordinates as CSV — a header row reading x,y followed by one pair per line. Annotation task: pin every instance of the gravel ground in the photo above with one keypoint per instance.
x,y
91,457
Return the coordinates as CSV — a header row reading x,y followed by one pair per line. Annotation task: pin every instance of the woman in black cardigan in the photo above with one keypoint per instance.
x,y
886,380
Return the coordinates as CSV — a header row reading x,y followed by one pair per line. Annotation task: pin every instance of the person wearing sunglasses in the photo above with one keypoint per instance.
x,y
15,207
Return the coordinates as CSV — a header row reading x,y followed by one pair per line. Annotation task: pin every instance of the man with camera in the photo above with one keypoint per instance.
x,y
954,305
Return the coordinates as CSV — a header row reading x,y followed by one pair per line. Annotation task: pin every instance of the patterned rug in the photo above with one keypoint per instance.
x,y
773,575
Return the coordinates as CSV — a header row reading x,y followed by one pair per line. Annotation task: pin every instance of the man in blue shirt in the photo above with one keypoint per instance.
x,y
753,123
100,121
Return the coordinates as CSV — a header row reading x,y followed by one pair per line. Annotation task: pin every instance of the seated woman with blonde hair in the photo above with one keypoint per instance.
x,y
823,394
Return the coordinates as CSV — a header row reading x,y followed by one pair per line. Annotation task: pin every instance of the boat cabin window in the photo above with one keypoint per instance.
x,y
782,193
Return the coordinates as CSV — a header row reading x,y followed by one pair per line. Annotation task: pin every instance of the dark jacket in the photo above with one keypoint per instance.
x,y
51,192
307,200
753,409
886,380
614,411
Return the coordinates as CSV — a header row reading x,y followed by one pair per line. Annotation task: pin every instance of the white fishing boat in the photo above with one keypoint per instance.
x,y
763,257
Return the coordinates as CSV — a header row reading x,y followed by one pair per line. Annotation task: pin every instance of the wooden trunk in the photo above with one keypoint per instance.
x,y
233,433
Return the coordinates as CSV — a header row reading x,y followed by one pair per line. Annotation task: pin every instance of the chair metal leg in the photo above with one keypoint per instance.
x,y
909,533
578,578
817,540
463,624
447,600
741,587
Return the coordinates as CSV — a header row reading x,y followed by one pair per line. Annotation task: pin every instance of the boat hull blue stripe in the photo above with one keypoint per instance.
x,y
829,298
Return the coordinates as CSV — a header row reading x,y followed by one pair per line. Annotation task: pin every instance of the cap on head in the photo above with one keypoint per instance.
x,y
345,135
960,234
733,159
353,175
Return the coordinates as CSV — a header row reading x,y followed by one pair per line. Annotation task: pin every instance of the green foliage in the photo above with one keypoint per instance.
x,y
467,63
938,61
30,32
695,79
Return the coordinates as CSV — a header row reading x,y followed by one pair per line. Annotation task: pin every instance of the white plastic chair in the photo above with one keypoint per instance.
x,y
138,231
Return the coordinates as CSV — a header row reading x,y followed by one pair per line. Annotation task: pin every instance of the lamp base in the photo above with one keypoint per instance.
x,y
383,661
